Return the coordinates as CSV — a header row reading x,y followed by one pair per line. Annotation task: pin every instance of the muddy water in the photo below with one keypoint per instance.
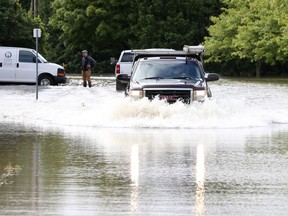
x,y
80,151
93,171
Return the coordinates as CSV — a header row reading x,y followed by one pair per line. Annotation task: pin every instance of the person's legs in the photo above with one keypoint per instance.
x,y
88,77
84,78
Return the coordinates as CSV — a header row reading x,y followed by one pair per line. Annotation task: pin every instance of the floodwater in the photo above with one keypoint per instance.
x,y
80,151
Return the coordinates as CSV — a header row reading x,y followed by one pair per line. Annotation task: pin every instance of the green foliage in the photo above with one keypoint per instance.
x,y
246,32
45,10
100,26
170,24
25,4
105,27
255,30
16,26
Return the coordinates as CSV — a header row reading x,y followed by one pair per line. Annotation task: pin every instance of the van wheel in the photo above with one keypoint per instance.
x,y
45,81
120,86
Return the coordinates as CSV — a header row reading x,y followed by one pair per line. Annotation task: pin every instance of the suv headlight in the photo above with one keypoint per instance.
x,y
199,95
136,93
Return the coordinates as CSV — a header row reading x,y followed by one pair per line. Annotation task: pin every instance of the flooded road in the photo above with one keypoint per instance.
x,y
83,151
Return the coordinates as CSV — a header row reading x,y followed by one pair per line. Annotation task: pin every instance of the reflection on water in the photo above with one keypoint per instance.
x,y
92,171
200,179
134,177
8,172
35,174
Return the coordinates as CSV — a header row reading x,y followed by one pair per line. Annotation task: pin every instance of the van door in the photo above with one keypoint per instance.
x,y
26,72
8,64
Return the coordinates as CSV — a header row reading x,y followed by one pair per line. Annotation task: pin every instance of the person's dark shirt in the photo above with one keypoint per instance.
x,y
87,63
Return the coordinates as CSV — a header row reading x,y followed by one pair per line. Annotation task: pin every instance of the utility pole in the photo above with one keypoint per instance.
x,y
35,9
34,5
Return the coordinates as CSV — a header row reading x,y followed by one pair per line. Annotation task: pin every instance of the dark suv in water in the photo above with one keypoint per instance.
x,y
169,75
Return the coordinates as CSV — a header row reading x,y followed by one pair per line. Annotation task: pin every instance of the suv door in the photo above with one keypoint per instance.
x,y
26,72
8,65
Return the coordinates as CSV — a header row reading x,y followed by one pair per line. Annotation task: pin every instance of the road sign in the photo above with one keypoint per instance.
x,y
36,33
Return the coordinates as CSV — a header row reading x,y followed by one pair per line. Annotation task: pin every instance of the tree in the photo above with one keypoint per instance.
x,y
255,30
99,26
170,23
105,27
26,4
16,26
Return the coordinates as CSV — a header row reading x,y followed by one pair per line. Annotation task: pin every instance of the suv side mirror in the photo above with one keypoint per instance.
x,y
212,77
123,78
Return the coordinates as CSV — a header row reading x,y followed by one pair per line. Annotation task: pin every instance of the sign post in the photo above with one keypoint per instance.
x,y
37,34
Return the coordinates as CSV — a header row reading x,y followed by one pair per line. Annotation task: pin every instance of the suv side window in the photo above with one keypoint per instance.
x,y
127,57
26,56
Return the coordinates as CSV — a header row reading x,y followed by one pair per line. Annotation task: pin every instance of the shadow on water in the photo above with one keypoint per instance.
x,y
93,171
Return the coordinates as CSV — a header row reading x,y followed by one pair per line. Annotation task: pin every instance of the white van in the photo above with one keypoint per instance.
x,y
18,65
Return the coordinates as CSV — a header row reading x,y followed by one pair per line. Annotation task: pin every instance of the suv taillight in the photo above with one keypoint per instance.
x,y
117,69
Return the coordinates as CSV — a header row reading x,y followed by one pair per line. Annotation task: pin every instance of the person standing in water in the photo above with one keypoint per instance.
x,y
86,64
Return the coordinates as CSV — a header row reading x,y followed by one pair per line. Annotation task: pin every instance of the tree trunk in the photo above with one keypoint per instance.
x,y
34,5
258,69
31,8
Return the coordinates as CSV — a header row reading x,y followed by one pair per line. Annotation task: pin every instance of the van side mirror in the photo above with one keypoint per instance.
x,y
34,59
212,77
123,78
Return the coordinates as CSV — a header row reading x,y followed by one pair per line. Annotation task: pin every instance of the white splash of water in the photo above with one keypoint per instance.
x,y
234,105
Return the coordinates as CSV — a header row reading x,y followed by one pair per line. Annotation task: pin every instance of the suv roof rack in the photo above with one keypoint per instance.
x,y
188,51
200,50
145,54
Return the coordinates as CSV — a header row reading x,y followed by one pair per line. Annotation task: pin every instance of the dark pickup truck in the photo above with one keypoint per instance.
x,y
169,75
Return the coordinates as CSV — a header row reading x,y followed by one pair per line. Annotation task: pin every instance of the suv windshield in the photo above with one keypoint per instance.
x,y
167,69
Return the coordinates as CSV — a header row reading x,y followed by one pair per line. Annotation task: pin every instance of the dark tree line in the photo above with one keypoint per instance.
x,y
105,27
16,24
238,35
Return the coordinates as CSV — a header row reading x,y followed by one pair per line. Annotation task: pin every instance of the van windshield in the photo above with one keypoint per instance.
x,y
42,59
